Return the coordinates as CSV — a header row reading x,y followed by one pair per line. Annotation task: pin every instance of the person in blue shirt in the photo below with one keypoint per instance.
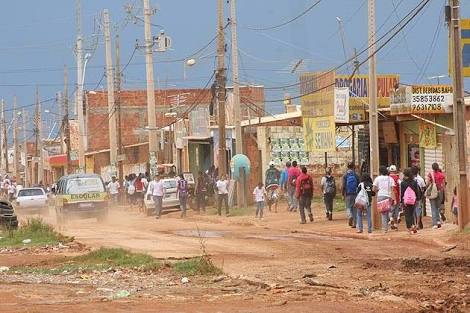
x,y
283,183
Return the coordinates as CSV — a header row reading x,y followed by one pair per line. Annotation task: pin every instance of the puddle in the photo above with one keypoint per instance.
x,y
298,236
200,233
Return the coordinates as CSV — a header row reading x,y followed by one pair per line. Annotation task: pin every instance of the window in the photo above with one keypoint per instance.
x,y
83,185
30,192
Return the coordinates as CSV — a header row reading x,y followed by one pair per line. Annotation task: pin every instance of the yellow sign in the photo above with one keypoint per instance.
x,y
318,94
90,196
422,99
427,135
320,134
465,33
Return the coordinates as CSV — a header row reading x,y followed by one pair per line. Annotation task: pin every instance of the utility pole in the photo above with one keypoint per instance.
x,y
373,116
4,139
151,111
79,97
40,167
117,81
66,126
16,166
459,114
111,105
25,148
221,80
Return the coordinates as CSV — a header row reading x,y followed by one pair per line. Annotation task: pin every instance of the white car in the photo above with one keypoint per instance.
x,y
170,200
32,199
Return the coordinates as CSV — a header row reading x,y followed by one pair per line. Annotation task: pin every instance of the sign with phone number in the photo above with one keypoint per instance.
x,y
434,99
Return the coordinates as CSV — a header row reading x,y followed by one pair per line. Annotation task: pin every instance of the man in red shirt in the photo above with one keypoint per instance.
x,y
437,212
304,192
292,175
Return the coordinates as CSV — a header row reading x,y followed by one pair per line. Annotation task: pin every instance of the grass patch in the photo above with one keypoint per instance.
x,y
234,211
198,266
37,230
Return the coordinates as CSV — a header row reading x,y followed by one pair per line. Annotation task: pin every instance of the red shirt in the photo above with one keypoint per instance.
x,y
299,181
396,188
293,171
439,179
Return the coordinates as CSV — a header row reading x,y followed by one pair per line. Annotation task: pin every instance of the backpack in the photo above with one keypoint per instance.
x,y
409,197
362,199
306,187
330,186
432,192
131,189
351,183
182,186
293,180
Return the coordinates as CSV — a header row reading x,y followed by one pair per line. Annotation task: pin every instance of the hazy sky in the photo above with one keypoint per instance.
x,y
37,39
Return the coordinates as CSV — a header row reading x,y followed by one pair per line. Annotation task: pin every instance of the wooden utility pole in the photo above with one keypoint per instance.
x,y
39,154
373,116
459,113
117,81
66,126
113,149
16,165
151,111
4,139
26,181
221,80
79,97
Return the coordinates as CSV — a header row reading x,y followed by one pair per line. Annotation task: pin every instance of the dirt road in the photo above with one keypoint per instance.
x,y
319,267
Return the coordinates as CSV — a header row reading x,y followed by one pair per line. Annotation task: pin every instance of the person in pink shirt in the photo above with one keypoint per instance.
x,y
439,179
292,175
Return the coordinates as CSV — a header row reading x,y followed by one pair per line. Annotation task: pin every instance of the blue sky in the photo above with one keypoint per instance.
x,y
38,39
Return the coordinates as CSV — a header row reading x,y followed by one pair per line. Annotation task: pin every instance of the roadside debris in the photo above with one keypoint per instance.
x,y
4,269
26,241
185,280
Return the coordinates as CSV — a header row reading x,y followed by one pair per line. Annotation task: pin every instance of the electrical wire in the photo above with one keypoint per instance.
x,y
286,22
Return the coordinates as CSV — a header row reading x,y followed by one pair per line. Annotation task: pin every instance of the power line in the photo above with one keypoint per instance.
x,y
286,22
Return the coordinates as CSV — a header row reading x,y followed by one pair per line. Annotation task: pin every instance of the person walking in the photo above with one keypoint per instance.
x,y
410,195
113,188
259,194
157,190
395,211
283,182
272,179
183,190
367,186
304,193
222,195
293,173
350,183
139,192
437,178
383,187
201,191
328,186
419,204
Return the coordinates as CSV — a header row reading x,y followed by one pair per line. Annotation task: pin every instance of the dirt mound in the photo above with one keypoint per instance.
x,y
436,265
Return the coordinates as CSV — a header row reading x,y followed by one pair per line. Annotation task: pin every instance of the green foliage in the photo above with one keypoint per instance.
x,y
197,266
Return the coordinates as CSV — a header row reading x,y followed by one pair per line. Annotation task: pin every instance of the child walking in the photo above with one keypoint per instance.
x,y
260,195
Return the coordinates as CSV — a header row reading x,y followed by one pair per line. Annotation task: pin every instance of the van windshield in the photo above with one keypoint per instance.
x,y
83,185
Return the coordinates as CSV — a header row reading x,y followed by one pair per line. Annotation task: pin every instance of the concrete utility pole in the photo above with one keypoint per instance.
x,y
16,165
79,97
4,139
221,80
117,81
460,125
235,78
151,111
40,167
111,105
25,148
373,116
66,126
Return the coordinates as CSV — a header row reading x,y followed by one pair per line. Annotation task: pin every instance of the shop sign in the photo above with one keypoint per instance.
x,y
427,135
342,105
422,99
199,123
318,94
320,134
465,32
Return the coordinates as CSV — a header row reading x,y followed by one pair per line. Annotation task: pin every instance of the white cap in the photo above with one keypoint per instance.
x,y
392,168
271,163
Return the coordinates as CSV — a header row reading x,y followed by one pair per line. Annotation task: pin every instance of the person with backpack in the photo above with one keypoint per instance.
x,y
395,211
283,182
304,193
367,189
182,192
328,186
420,204
293,174
383,186
410,195
436,182
350,183
272,178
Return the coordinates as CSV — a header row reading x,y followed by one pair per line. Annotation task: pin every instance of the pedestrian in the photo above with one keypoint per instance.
x,y
455,207
182,191
367,186
139,192
131,191
304,193
436,180
293,173
328,186
11,191
272,179
409,196
350,183
259,194
157,190
283,182
419,204
201,190
395,210
383,187
222,195
113,188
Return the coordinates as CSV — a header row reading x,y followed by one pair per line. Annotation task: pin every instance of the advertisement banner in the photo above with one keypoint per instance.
x,y
422,99
427,135
199,120
465,33
318,94
342,105
320,134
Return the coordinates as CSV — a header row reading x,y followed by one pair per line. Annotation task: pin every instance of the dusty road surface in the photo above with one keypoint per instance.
x,y
273,265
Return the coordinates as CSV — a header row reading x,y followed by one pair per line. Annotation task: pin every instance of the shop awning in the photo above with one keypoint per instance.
x,y
60,160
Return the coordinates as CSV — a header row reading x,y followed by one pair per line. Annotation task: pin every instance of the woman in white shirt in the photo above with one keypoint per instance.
x,y
383,186
222,191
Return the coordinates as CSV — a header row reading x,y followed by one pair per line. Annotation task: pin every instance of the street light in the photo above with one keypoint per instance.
x,y
188,63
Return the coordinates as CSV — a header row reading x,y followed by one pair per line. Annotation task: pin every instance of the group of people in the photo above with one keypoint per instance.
x,y
8,187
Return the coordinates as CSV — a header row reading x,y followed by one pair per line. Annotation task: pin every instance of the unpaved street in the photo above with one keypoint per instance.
x,y
319,267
